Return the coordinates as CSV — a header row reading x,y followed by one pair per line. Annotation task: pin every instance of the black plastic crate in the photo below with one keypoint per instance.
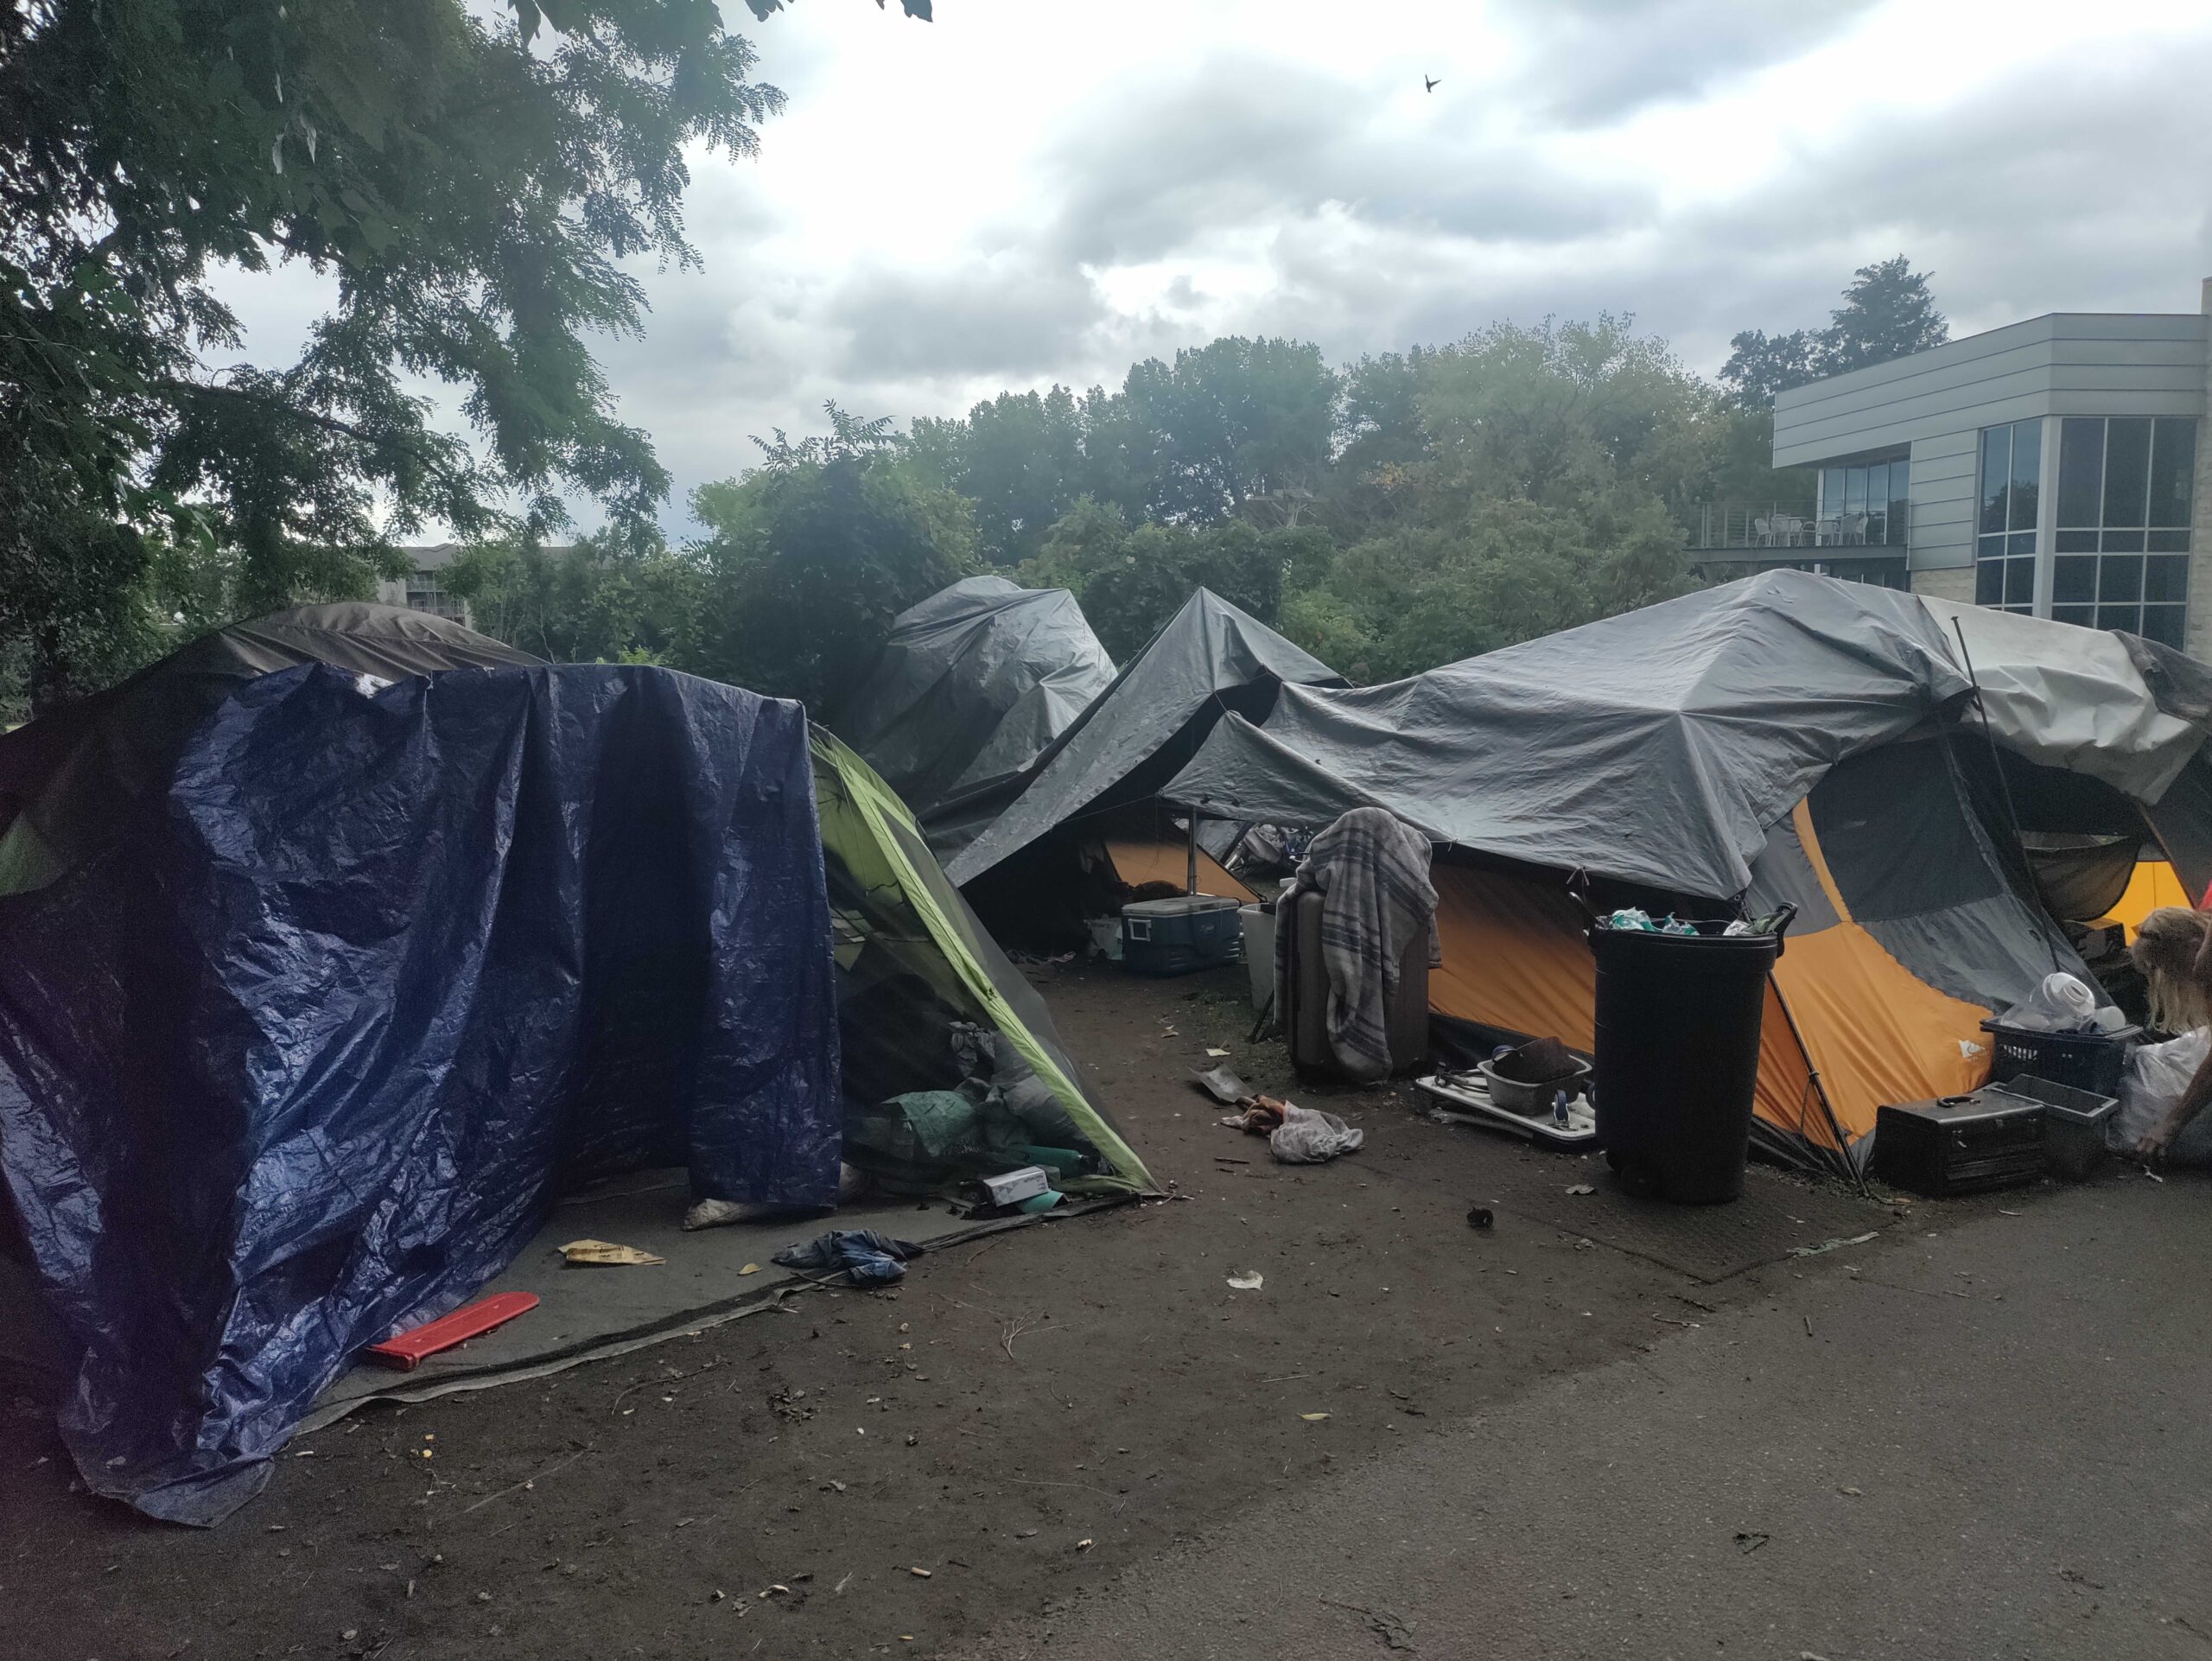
x,y
1991,1138
2074,1125
2090,1061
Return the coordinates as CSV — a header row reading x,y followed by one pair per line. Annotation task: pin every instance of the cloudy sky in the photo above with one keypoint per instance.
x,y
1027,191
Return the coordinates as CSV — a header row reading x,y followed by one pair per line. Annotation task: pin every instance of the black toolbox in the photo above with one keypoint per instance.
x,y
1993,1138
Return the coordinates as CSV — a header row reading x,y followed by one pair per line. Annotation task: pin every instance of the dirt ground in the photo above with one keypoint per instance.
x,y
1022,1421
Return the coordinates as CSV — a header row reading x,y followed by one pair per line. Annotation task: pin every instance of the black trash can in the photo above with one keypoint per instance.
x,y
1677,1056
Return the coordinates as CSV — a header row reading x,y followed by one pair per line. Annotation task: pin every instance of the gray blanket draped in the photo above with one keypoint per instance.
x,y
1372,872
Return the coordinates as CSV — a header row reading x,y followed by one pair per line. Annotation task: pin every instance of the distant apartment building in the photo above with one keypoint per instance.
x,y
421,589
2057,467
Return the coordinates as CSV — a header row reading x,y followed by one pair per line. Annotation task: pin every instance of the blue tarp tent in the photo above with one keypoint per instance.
x,y
308,1049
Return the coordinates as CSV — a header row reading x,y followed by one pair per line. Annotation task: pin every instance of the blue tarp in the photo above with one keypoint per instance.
x,y
307,1055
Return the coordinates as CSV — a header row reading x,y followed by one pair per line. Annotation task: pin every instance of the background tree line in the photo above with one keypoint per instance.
x,y
1389,515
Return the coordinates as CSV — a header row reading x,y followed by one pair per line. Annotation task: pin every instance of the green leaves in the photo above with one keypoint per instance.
x,y
474,184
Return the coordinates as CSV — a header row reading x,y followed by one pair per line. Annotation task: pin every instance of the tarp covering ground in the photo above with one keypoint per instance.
x,y
973,684
309,1048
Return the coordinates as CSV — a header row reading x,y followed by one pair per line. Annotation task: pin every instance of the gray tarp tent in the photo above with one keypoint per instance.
x,y
1785,737
1657,747
974,684
1209,659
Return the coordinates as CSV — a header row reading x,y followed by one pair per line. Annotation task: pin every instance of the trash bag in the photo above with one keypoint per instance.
x,y
1308,1137
2064,1003
2155,1077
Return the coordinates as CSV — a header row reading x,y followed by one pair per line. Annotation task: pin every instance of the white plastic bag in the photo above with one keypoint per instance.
x,y
2064,1003
1306,1137
2154,1079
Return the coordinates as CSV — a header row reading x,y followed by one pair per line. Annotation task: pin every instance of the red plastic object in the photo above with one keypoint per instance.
x,y
405,1350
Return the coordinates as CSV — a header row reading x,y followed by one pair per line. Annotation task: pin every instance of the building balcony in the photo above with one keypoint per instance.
x,y
1759,531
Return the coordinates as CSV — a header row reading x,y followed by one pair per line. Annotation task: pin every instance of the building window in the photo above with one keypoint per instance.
x,y
2121,554
423,594
1864,504
2005,543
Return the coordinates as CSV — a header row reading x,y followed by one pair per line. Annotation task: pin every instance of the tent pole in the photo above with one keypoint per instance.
x,y
2005,787
1191,875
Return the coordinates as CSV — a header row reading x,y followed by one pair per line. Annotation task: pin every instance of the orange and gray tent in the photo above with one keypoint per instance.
x,y
1786,738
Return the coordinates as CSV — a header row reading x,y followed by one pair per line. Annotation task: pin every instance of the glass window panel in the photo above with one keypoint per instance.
x,y
1854,490
2163,624
1900,501
2165,576
1832,491
2120,577
1988,581
2127,617
2173,460
2020,542
2019,581
2019,611
2083,616
2169,542
2073,579
2027,472
2081,469
1996,474
2075,541
2123,542
2128,469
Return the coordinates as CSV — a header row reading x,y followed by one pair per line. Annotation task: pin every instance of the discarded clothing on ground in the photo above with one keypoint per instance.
x,y
1306,1137
1296,1135
1373,873
872,1259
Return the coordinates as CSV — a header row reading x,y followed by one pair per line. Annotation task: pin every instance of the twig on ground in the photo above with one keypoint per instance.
x,y
527,1481
1012,1330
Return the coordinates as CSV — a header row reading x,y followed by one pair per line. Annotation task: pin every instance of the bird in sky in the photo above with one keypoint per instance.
x,y
1431,82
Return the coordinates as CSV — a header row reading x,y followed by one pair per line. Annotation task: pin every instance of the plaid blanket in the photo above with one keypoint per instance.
x,y
1373,874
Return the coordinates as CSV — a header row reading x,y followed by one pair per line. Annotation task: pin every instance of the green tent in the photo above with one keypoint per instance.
x,y
904,931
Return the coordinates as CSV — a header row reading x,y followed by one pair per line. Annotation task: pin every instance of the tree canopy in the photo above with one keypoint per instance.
x,y
1888,312
468,177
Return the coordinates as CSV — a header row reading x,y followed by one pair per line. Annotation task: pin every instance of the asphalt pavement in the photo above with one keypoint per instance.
x,y
1992,1441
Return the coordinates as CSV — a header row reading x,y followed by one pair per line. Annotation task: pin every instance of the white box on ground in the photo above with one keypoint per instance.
x,y
1012,1188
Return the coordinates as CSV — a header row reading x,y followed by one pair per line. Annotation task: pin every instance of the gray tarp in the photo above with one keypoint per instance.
x,y
2071,698
1657,747
974,684
1207,649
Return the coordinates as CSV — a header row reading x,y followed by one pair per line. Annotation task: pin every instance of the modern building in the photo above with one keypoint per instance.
x,y
421,589
2059,466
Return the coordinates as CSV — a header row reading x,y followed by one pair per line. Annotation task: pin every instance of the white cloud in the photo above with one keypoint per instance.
x,y
1031,190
